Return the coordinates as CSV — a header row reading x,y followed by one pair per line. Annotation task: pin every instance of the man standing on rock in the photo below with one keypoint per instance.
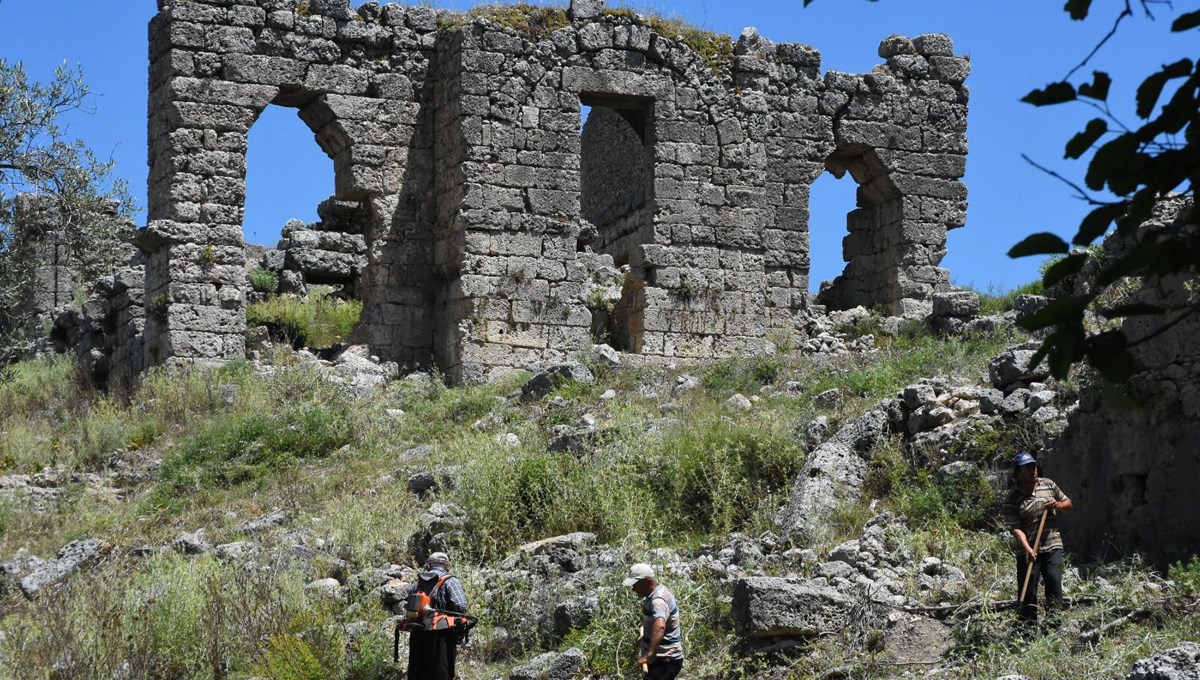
x,y
1027,500
661,639
432,653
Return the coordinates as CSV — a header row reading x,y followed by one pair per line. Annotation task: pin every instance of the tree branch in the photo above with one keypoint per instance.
x,y
1125,13
1082,193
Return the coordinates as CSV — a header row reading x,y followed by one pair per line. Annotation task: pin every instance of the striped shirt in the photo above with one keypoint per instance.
x,y
660,604
1023,511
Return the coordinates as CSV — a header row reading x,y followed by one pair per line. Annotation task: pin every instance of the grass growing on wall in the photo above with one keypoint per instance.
x,y
317,320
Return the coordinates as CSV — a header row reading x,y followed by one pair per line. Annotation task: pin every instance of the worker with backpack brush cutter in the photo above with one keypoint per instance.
x,y
436,620
1030,511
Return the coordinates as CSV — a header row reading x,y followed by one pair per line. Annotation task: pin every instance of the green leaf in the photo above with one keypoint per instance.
x,y
1113,159
1065,267
1063,309
1151,88
1042,243
1078,9
1109,353
1083,141
1187,21
1098,88
1096,223
1054,93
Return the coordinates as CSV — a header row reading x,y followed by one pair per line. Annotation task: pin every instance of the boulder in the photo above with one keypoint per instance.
x,y
575,613
956,303
1013,365
832,474
71,557
606,356
552,666
1179,663
769,606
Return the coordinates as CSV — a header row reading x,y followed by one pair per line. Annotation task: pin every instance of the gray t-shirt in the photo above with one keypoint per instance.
x,y
660,604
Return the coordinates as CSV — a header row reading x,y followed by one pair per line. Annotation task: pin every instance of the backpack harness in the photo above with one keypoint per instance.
x,y
421,616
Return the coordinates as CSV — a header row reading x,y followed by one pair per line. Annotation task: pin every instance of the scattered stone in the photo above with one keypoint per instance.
x,y
328,588
271,519
194,543
738,402
550,379
606,356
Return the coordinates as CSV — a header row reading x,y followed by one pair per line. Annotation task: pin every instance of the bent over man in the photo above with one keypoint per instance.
x,y
432,653
1029,496
661,641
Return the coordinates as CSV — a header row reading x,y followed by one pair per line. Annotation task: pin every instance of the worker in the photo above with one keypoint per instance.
x,y
1038,557
660,641
431,653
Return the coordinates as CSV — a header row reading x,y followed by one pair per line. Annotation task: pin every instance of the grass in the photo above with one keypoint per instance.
x,y
998,302
318,320
233,444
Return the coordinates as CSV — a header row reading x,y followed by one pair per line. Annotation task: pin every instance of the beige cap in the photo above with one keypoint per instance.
x,y
638,572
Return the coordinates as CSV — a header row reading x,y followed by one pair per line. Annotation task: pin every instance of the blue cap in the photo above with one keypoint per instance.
x,y
1023,458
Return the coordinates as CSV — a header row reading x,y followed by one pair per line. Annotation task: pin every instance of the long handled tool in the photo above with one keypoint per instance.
x,y
1037,542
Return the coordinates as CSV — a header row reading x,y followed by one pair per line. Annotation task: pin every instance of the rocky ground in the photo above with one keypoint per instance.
x,y
851,575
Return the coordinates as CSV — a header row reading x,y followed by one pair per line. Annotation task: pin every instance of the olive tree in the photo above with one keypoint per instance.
x,y
52,188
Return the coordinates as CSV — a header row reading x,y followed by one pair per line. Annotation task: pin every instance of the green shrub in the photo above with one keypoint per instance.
x,y
318,320
239,447
744,376
1186,576
263,280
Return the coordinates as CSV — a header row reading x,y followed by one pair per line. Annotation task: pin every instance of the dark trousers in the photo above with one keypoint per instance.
x,y
662,669
1047,568
431,655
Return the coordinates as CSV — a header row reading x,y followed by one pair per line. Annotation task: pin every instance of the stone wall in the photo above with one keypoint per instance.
x,y
461,140
1128,456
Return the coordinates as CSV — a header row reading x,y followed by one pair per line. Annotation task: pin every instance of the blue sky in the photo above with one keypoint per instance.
x,y
1014,46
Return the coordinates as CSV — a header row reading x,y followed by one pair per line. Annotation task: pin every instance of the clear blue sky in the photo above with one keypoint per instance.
x,y
1014,45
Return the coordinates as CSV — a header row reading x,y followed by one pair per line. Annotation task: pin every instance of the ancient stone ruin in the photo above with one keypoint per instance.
x,y
489,221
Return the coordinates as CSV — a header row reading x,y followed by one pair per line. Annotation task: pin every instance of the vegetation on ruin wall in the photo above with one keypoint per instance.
x,y
535,23
234,444
531,22
317,320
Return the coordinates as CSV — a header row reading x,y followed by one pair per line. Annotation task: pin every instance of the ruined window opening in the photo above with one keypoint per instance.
x,y
287,175
830,199
871,242
313,241
616,169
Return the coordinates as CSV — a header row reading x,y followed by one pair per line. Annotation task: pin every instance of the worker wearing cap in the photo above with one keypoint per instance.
x,y
431,654
1029,496
661,639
